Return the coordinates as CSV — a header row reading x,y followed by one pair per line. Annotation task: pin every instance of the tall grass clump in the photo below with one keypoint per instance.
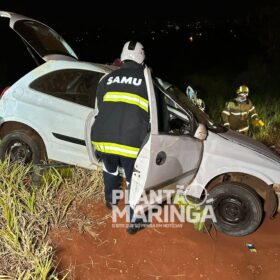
x,y
25,222
268,109
81,189
29,211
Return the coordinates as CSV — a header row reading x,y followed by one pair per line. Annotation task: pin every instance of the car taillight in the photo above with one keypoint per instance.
x,y
3,91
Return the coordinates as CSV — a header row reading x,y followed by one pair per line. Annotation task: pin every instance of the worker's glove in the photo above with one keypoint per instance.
x,y
258,123
261,123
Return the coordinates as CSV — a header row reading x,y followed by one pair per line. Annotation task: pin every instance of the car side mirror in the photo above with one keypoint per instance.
x,y
201,132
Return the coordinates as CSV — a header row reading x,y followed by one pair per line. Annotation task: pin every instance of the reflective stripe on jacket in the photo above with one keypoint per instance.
x,y
117,149
122,122
127,98
238,115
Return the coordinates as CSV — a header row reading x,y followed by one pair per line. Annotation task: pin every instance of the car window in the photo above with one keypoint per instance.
x,y
171,119
182,101
42,38
75,85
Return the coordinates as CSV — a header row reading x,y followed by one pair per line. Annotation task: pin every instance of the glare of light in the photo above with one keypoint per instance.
x,y
191,39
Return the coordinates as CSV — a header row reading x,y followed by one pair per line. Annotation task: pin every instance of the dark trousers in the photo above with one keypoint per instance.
x,y
112,180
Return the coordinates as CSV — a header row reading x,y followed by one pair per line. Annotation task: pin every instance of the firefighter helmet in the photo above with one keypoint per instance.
x,y
242,90
133,50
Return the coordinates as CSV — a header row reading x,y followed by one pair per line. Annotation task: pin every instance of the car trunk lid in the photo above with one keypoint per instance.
x,y
46,42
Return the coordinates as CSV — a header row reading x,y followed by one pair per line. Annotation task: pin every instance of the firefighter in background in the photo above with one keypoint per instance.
x,y
240,113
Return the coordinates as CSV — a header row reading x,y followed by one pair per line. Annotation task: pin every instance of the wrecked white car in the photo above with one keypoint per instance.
x,y
43,114
241,174
49,112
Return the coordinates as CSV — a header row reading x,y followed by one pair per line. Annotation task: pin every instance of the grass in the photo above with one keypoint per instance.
x,y
29,211
269,110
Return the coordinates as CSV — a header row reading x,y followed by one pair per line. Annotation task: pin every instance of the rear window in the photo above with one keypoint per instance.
x,y
75,85
42,38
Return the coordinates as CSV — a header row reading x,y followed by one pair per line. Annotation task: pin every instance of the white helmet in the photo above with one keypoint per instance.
x,y
133,50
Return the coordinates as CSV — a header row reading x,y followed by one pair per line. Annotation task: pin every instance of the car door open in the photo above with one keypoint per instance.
x,y
169,157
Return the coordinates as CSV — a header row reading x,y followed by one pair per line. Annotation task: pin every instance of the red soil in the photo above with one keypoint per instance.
x,y
168,253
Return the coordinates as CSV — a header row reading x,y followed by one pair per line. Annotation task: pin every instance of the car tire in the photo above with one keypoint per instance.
x,y
22,146
237,207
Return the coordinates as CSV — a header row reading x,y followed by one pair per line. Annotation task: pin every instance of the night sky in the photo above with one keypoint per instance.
x,y
203,37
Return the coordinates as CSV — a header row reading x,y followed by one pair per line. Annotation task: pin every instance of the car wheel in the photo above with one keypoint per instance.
x,y
21,146
238,209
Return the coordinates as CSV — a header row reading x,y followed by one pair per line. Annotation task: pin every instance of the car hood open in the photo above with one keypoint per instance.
x,y
250,143
46,42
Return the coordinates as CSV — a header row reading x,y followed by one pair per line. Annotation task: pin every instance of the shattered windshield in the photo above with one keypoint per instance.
x,y
182,100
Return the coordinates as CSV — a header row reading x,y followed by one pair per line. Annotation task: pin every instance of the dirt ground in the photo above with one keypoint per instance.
x,y
168,253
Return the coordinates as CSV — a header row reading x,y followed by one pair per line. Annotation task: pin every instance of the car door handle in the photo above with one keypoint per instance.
x,y
161,158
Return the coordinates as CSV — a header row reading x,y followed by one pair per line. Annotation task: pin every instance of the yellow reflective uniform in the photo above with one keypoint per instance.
x,y
239,115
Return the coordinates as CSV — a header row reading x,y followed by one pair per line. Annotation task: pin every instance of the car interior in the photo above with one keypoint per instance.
x,y
171,118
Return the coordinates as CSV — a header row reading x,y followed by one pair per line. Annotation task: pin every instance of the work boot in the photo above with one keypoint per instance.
x,y
109,205
136,226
